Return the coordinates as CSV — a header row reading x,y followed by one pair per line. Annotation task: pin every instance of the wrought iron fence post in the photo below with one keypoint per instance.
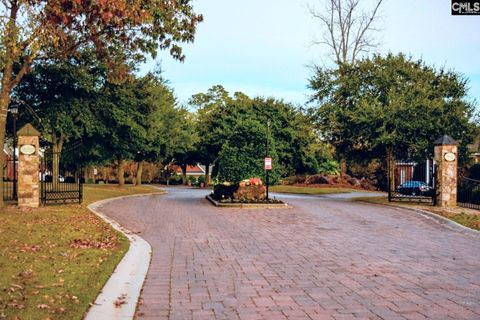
x,y
389,186
15,154
80,196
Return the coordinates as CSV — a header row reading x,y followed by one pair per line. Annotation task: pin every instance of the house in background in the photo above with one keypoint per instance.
x,y
474,150
194,171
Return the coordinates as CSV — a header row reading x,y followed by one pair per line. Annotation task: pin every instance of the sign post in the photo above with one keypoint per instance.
x,y
268,160
268,168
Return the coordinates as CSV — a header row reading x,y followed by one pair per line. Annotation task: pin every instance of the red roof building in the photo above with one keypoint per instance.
x,y
196,170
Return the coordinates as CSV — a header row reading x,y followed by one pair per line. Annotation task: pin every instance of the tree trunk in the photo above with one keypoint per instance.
x,y
139,173
57,146
391,169
89,176
4,101
207,174
184,174
105,176
7,82
343,167
121,172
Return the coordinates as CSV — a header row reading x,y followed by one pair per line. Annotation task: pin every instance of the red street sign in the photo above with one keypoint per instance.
x,y
268,163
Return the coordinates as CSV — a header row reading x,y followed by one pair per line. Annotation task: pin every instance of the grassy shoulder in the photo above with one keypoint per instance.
x,y
55,260
307,190
467,217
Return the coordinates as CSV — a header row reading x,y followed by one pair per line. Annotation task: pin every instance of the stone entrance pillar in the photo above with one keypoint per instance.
x,y
446,154
28,167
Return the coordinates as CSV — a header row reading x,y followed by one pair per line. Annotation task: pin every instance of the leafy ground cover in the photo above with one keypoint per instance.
x,y
467,217
55,260
307,190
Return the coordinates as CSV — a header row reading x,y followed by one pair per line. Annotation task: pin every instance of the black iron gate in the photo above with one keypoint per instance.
x,y
56,185
10,180
413,181
468,195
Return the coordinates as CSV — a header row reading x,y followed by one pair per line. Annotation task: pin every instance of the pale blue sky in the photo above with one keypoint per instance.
x,y
263,47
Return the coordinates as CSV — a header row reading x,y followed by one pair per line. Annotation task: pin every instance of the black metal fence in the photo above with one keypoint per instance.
x,y
56,188
468,195
61,192
9,191
413,181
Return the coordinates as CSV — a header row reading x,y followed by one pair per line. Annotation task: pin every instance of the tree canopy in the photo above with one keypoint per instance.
x,y
242,156
391,103
222,117
120,32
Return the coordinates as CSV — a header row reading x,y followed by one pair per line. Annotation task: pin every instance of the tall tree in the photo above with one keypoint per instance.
x,y
186,138
61,96
120,31
392,106
161,123
241,157
210,124
347,32
219,115
124,112
347,28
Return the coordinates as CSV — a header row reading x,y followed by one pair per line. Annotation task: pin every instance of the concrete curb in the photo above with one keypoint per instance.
x,y
119,297
447,223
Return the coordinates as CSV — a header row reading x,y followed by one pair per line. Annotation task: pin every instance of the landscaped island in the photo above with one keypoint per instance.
x,y
247,192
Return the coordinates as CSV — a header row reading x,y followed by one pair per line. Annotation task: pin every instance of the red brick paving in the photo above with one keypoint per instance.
x,y
324,259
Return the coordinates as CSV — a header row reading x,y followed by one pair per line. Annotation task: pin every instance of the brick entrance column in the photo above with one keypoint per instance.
x,y
446,154
28,167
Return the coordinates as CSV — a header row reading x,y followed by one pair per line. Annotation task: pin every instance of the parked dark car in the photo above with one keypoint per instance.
x,y
415,188
69,179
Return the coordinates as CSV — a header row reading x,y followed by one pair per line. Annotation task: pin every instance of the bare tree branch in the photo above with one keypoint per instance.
x,y
347,29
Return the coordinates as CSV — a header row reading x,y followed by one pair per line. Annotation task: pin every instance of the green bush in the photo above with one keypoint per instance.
x,y
202,179
224,191
329,167
242,156
192,180
175,179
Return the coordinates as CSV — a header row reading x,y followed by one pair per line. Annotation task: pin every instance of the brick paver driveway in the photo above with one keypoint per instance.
x,y
323,259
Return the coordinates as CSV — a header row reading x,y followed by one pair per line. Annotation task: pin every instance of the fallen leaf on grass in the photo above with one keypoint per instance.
x,y
87,243
17,286
29,248
43,306
27,274
16,305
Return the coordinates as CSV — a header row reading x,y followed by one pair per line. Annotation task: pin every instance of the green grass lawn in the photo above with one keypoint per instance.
x,y
470,219
307,190
55,260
